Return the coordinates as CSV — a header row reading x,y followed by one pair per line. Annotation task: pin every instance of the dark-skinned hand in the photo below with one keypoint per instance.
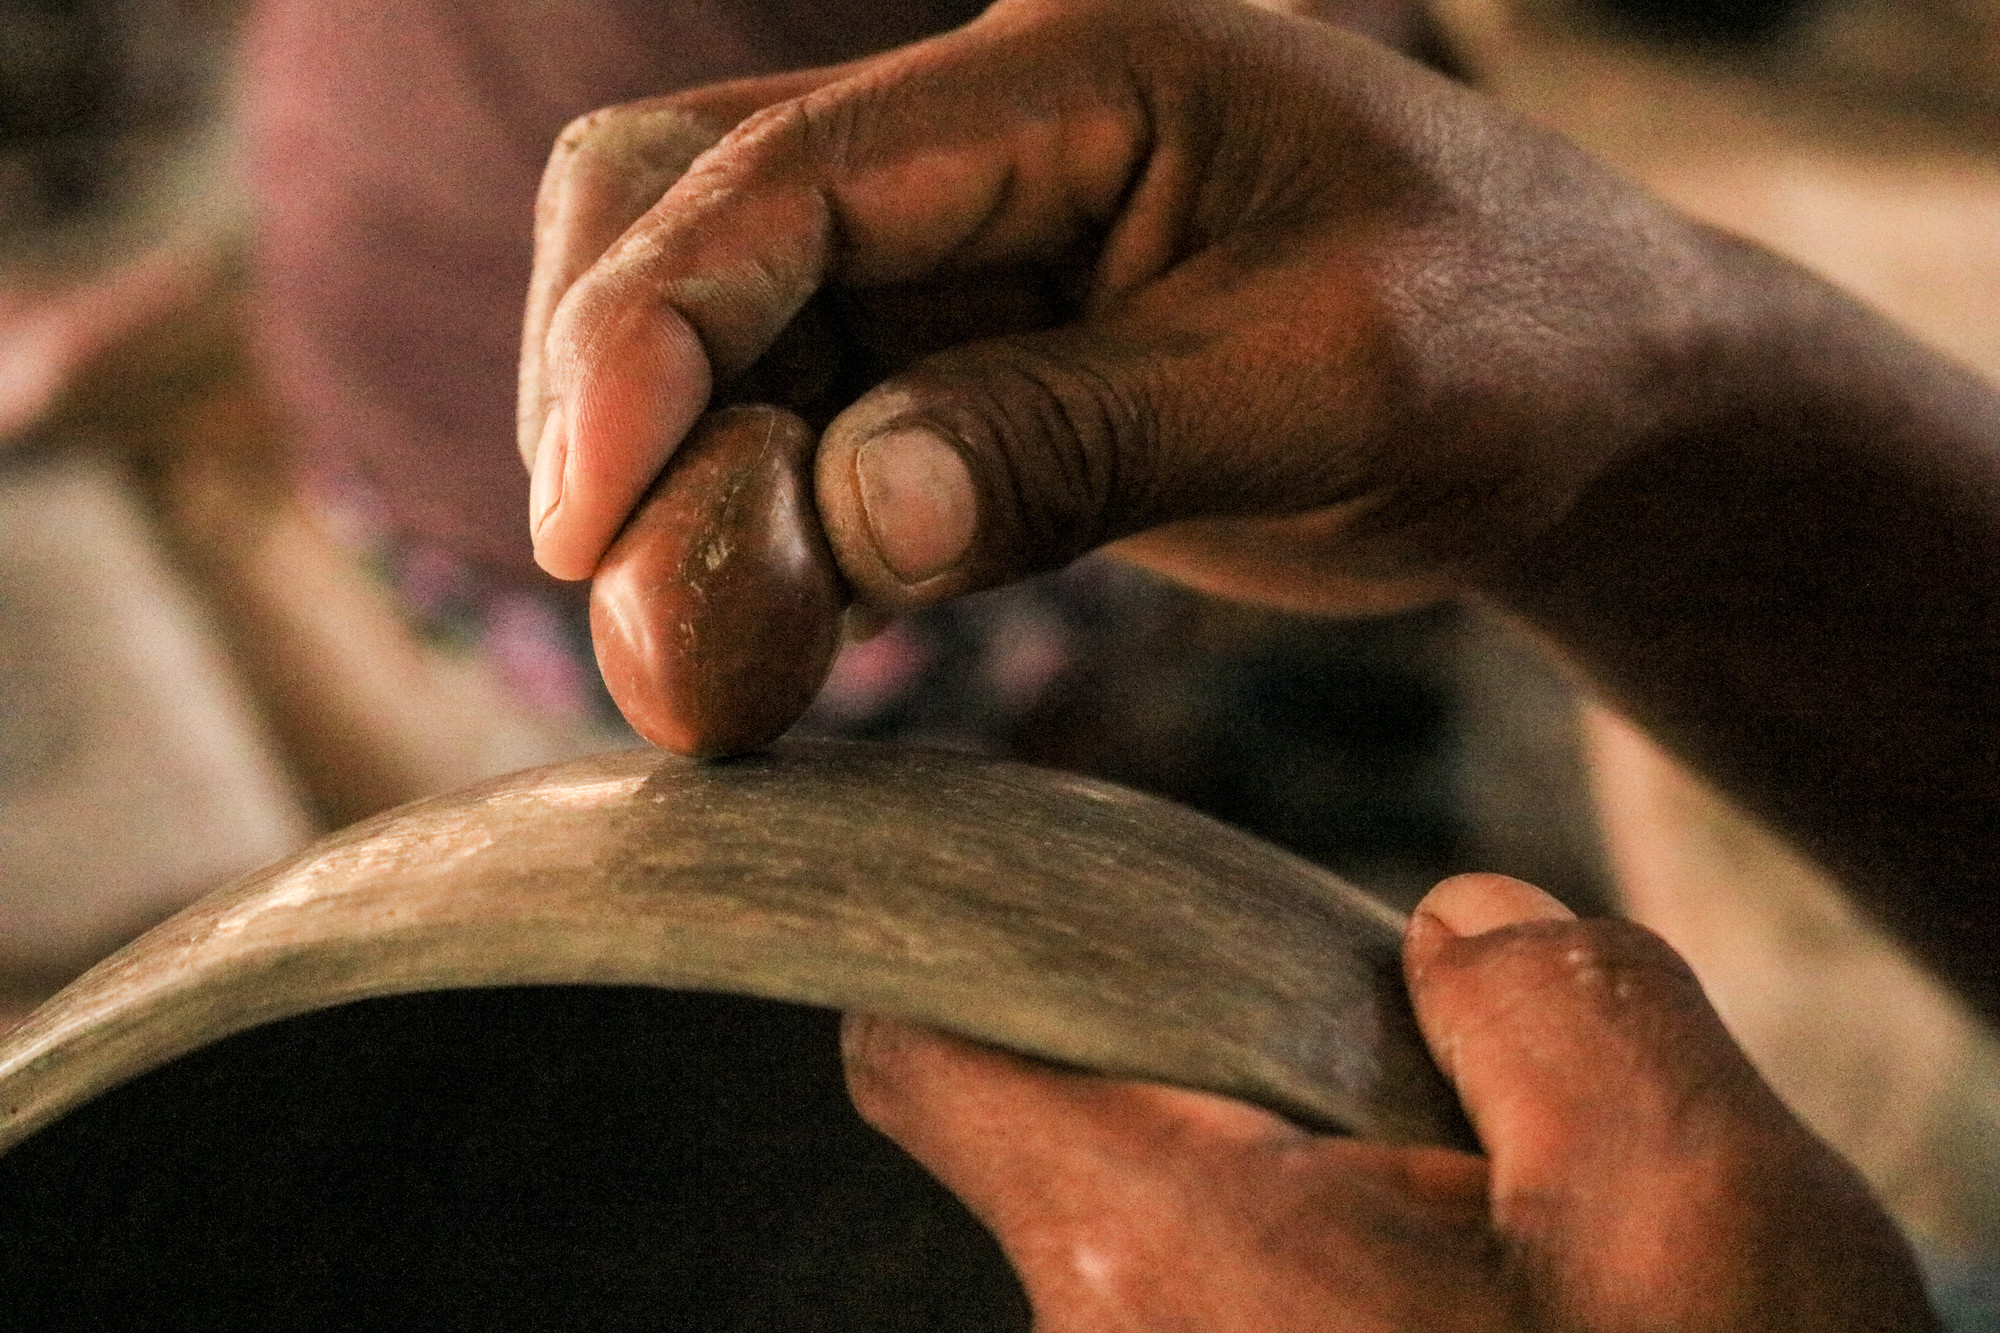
x,y
1281,313
1637,1176
1287,316
1188,263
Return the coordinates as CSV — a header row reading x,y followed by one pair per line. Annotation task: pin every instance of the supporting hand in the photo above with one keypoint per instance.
x,y
1638,1174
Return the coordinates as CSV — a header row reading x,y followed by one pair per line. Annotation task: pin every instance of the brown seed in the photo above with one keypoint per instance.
x,y
716,613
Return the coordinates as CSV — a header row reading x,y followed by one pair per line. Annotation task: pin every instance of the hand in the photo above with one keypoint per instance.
x,y
1325,327
1292,318
1638,1176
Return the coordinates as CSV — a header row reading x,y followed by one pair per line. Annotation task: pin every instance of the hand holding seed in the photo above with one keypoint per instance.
x,y
716,613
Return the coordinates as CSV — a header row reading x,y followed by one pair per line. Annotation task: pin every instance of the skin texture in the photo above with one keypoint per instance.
x,y
1290,317
1691,1200
1327,242
716,613
1284,315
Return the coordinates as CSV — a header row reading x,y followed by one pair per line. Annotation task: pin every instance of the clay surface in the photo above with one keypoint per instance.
x,y
1033,910
716,613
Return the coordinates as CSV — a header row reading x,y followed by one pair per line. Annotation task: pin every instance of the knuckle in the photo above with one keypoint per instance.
x,y
780,138
593,141
826,133
619,123
1059,426
583,129
768,153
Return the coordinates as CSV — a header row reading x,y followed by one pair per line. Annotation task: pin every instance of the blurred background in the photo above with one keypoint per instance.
x,y
226,628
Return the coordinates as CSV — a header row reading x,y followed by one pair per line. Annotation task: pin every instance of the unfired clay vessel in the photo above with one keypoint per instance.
x,y
1053,915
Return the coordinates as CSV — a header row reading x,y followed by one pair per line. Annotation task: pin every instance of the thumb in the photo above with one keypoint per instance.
x,y
983,464
1642,1172
1000,459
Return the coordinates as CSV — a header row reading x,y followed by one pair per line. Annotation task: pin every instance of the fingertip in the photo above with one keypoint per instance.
x,y
870,1044
892,1063
1476,904
859,1031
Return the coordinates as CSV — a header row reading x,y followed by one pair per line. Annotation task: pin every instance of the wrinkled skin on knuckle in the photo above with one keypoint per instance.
x,y
825,135
735,247
771,143
1052,440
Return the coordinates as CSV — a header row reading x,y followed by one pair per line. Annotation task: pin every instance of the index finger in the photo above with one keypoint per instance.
x,y
606,170
967,151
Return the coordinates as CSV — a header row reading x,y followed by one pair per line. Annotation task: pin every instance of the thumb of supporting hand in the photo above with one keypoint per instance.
x,y
1643,1175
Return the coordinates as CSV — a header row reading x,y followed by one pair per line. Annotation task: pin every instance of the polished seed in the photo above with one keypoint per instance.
x,y
716,613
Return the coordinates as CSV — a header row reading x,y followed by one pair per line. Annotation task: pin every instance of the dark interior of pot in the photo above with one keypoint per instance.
x,y
533,1158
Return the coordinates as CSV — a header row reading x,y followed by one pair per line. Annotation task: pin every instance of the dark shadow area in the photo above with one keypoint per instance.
x,y
1707,22
1339,740
568,1158
94,94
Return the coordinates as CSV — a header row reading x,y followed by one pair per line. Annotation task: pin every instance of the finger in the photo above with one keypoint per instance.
x,y
1642,1172
1064,1170
606,170
948,1101
917,164
997,460
1130,1205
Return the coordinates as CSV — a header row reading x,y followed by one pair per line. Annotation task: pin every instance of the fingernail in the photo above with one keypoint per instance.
x,y
1476,904
917,494
545,489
